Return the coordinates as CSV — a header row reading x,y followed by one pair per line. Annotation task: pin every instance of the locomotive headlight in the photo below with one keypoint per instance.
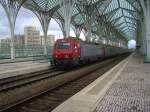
x,y
76,50
66,56
56,56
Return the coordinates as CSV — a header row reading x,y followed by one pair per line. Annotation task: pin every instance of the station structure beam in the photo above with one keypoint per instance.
x,y
62,26
114,20
77,29
87,10
143,37
61,22
12,8
67,8
44,15
146,26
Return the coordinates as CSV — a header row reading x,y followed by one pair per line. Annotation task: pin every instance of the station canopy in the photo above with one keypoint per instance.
x,y
106,17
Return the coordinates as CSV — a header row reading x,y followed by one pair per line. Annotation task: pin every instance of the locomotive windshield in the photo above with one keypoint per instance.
x,y
63,45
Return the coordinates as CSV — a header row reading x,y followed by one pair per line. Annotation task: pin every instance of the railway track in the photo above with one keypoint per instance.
x,y
12,83
17,88
46,101
18,77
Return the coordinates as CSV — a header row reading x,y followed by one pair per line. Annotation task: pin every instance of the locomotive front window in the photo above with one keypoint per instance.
x,y
63,45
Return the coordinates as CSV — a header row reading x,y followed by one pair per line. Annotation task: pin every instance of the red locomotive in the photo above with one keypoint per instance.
x,y
73,51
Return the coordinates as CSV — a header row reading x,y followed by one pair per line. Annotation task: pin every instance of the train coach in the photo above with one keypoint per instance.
x,y
71,51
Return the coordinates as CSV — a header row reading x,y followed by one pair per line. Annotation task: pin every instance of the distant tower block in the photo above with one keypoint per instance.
x,y
50,40
32,36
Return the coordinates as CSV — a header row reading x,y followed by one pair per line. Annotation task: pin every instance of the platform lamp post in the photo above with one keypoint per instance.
x,y
12,8
67,8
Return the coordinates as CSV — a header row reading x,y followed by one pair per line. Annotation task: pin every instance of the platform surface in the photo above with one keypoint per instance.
x,y
125,88
19,68
130,92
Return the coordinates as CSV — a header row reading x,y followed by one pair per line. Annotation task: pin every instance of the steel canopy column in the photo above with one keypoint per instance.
x,y
12,28
148,32
143,38
78,29
45,30
138,36
89,30
12,8
44,18
146,9
62,26
67,8
44,12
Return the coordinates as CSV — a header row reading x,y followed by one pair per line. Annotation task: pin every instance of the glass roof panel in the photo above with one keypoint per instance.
x,y
123,14
42,5
112,6
127,14
125,4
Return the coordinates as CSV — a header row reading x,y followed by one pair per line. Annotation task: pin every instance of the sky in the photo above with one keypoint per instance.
x,y
27,18
132,44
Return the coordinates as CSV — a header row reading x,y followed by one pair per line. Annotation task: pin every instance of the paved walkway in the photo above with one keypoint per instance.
x,y
130,92
19,68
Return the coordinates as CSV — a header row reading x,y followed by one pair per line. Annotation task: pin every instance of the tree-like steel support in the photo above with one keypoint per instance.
x,y
12,8
88,11
44,15
44,19
89,29
77,29
67,8
106,26
146,10
143,36
138,36
61,24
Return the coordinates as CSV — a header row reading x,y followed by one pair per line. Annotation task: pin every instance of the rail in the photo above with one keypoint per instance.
x,y
66,85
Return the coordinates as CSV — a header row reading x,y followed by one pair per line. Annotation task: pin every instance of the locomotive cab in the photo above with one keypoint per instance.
x,y
66,51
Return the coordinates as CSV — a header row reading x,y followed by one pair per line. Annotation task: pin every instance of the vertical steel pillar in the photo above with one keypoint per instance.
x,y
88,11
143,38
12,28
45,30
12,8
148,32
146,9
78,29
119,44
62,26
67,8
89,30
44,19
138,36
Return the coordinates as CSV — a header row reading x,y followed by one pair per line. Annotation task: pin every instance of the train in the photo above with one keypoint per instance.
x,y
72,51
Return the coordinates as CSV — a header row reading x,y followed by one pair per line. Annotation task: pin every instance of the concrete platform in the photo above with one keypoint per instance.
x,y
125,88
3,61
19,68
